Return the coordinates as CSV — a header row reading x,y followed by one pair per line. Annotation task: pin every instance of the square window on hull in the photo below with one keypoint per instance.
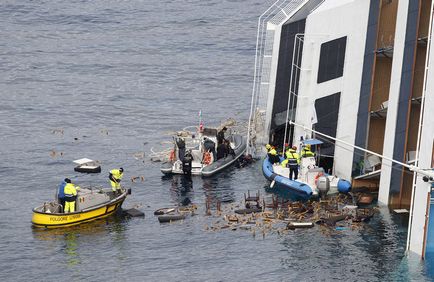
x,y
331,61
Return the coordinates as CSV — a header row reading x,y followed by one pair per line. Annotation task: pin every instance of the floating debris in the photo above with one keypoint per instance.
x,y
133,212
294,225
164,211
170,218
174,214
57,131
139,155
281,215
365,199
135,178
86,165
54,154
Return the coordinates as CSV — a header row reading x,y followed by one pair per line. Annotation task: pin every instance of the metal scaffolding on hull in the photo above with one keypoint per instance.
x,y
293,85
277,14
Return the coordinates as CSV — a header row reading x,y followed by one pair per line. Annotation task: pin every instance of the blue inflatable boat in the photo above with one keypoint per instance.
x,y
298,189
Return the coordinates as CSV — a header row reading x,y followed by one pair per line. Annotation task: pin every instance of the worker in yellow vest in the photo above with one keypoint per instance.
x,y
115,177
292,162
268,148
273,157
306,152
70,192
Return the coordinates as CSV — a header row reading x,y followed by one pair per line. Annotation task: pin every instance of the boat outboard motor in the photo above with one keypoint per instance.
x,y
186,164
323,186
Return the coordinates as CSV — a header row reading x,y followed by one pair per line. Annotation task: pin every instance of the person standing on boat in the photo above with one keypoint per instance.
x,y
292,162
221,135
187,163
115,177
268,148
221,151
70,192
306,152
180,143
61,192
229,150
273,157
210,147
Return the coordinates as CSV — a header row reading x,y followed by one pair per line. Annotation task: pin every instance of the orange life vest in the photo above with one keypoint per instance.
x,y
207,158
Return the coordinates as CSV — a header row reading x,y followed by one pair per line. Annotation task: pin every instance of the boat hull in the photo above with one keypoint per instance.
x,y
57,220
215,167
297,190
229,160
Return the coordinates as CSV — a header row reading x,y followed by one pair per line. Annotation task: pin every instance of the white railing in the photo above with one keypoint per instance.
x,y
293,85
276,15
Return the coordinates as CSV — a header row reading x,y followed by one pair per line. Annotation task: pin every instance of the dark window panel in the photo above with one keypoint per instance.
x,y
331,61
327,111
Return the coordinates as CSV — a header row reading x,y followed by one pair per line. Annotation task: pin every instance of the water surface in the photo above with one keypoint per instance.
x,y
106,80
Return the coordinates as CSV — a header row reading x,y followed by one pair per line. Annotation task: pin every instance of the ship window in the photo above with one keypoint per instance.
x,y
331,61
327,112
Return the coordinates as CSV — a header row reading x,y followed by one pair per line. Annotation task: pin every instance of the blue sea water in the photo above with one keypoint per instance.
x,y
107,80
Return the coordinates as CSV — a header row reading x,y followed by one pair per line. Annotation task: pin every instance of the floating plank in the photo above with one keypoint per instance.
x,y
294,225
247,211
169,218
163,211
134,212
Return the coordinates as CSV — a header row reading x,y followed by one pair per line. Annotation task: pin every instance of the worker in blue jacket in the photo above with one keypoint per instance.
x,y
61,192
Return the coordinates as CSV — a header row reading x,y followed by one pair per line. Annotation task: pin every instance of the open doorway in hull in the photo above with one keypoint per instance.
x,y
277,135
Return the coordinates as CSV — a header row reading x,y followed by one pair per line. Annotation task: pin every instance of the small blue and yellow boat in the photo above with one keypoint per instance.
x,y
91,204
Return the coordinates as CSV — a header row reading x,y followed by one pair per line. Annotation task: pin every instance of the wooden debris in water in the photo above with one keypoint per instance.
x,y
334,214
57,131
54,154
134,212
139,155
134,178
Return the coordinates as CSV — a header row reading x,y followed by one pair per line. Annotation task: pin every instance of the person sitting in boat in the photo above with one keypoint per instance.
x,y
115,177
292,162
209,146
306,152
70,192
273,157
221,135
